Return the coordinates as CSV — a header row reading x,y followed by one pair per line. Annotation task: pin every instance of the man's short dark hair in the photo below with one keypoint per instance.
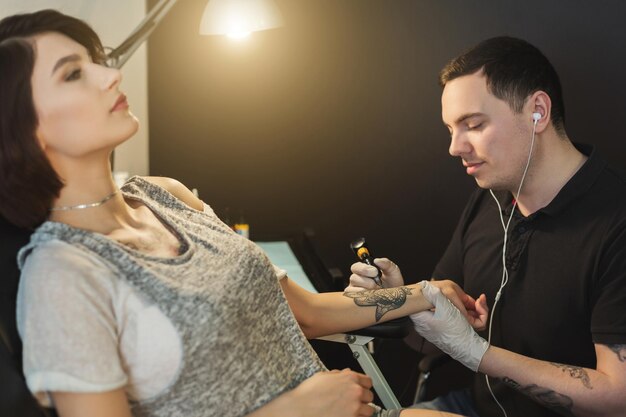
x,y
514,69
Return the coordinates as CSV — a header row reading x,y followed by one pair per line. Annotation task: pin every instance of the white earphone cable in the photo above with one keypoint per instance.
x,y
505,273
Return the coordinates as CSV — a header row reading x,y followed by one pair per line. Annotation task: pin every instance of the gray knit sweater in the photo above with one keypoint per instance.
x,y
242,346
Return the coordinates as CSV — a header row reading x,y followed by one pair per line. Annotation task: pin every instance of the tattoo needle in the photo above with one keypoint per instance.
x,y
362,252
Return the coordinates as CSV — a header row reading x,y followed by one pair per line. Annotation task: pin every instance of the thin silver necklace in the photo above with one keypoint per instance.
x,y
85,206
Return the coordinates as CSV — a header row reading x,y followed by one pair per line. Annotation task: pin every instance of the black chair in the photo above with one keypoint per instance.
x,y
15,398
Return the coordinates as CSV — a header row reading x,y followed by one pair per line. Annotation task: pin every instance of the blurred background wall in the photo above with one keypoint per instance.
x,y
333,121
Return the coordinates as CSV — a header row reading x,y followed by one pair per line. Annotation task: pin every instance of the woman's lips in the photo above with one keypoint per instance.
x,y
120,104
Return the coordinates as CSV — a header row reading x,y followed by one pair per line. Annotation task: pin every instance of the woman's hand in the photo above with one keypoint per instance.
x,y
335,393
362,277
330,394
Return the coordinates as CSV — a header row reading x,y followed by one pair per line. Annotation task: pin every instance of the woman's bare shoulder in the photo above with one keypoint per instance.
x,y
178,190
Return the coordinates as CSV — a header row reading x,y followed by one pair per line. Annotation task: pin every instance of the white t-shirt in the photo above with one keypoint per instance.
x,y
122,334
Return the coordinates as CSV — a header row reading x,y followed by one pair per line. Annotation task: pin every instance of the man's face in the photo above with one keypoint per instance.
x,y
492,141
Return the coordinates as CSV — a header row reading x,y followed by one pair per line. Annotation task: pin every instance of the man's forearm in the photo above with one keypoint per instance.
x,y
568,390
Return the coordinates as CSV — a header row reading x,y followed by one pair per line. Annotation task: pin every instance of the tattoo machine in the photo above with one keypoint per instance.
x,y
359,246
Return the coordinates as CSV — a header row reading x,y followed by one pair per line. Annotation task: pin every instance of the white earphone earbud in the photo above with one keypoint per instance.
x,y
536,117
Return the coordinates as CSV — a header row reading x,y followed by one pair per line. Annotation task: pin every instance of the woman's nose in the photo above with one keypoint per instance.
x,y
111,77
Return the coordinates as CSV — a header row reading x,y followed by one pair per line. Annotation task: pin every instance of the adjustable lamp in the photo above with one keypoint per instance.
x,y
221,17
235,18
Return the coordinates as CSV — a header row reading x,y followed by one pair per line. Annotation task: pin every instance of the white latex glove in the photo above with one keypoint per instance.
x,y
363,274
447,329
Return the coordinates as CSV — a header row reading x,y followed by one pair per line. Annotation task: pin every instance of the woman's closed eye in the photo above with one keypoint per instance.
x,y
73,75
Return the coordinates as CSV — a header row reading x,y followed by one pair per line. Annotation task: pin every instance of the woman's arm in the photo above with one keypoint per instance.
x,y
474,310
333,394
329,313
103,404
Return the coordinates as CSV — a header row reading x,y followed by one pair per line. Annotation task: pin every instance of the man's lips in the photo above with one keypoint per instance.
x,y
472,167
120,104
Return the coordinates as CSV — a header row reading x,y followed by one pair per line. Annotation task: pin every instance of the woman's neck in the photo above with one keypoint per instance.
x,y
90,188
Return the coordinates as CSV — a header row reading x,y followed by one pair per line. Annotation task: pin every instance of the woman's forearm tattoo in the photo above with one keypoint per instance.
x,y
620,351
384,300
575,372
560,403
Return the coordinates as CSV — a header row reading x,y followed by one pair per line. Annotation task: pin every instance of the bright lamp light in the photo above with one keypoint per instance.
x,y
235,18
239,17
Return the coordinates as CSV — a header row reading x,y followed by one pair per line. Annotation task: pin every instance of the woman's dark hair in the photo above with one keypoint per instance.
x,y
514,70
28,183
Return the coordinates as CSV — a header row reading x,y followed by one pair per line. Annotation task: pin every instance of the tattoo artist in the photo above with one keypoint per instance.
x,y
538,260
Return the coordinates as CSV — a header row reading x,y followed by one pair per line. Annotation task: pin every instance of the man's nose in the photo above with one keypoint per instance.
x,y
458,145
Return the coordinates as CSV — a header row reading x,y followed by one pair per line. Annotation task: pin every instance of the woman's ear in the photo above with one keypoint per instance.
x,y
39,136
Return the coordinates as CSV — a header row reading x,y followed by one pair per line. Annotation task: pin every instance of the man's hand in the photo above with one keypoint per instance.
x,y
447,329
475,311
362,277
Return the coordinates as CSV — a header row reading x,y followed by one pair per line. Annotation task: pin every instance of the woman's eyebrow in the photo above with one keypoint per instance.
x,y
64,60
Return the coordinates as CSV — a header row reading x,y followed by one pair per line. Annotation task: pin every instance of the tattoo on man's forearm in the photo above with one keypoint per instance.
x,y
620,351
560,403
575,372
384,300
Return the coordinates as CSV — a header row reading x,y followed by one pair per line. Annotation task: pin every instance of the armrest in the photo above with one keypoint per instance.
x,y
392,329
15,398
433,361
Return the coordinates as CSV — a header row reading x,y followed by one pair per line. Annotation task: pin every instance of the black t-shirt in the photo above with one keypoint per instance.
x,y
567,275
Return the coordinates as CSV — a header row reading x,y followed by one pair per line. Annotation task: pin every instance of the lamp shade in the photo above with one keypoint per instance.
x,y
238,17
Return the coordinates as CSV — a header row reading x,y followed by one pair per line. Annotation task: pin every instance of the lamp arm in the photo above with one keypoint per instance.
x,y
118,56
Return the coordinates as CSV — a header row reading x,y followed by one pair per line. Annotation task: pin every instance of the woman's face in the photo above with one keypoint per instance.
x,y
78,102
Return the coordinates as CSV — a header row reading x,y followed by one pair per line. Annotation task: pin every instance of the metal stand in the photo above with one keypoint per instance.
x,y
358,345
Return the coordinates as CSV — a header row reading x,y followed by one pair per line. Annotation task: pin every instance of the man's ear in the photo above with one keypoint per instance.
x,y
539,102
